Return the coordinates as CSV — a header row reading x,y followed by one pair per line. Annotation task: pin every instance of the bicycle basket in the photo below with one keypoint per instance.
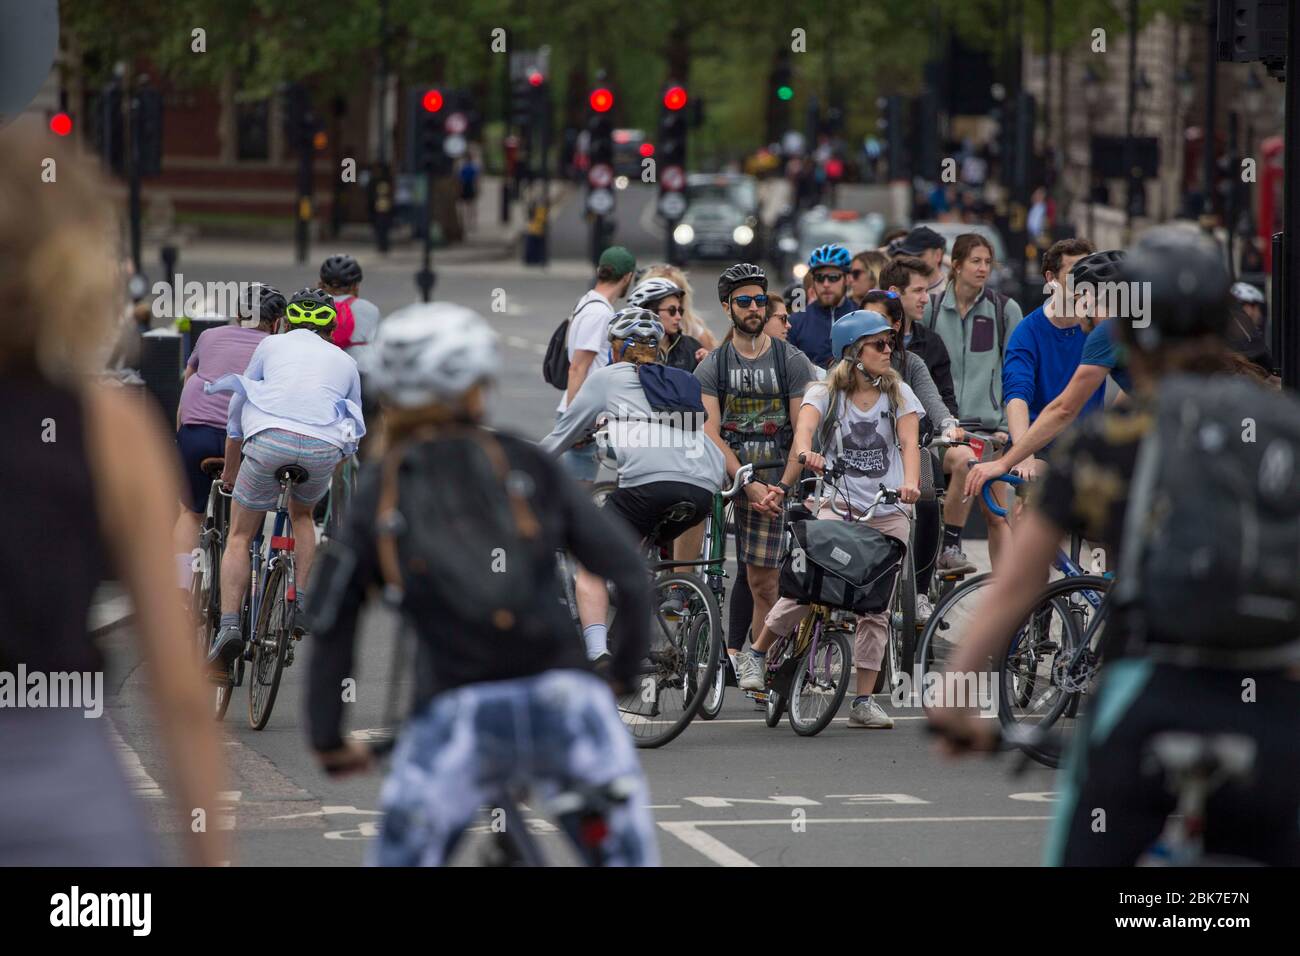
x,y
840,564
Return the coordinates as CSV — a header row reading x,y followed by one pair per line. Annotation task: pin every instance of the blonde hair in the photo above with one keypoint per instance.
x,y
60,285
841,379
692,324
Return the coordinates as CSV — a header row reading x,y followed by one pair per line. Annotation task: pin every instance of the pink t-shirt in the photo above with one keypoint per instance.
x,y
218,352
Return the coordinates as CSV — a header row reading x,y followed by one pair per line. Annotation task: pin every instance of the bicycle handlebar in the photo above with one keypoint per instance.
x,y
986,492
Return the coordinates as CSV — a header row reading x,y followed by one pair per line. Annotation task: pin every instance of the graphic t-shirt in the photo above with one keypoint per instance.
x,y
869,447
755,411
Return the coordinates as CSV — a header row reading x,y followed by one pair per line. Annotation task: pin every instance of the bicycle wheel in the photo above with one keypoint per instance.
x,y
671,684
270,643
901,646
951,619
821,679
601,491
712,705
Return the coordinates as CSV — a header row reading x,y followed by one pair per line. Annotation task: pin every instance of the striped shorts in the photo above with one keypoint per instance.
x,y
257,489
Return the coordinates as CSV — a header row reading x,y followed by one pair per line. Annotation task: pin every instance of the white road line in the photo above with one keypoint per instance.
x,y
519,342
141,783
709,846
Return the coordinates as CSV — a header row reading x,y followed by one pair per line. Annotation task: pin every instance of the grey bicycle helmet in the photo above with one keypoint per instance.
x,y
1099,267
650,291
635,324
1247,294
263,302
742,273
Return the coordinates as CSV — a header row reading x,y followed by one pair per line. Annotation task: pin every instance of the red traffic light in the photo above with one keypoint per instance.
x,y
601,100
61,124
647,149
535,78
432,101
675,97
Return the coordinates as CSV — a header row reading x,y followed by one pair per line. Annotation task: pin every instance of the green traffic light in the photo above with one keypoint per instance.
x,y
784,93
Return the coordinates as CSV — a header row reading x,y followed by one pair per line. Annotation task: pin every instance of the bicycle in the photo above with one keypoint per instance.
x,y
269,611
205,565
1053,657
807,672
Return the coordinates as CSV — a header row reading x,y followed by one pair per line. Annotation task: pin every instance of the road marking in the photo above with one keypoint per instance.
x,y
141,783
1040,796
780,801
707,845
519,342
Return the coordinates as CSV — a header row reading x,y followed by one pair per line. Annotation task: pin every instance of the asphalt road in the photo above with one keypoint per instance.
x,y
728,792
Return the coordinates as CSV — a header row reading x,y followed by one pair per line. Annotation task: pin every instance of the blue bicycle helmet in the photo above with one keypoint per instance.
x,y
849,328
829,255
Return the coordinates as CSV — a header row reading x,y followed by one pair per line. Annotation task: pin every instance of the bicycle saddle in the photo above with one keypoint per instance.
x,y
213,467
294,474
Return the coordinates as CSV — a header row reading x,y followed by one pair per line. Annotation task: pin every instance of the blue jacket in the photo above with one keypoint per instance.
x,y
1040,361
810,330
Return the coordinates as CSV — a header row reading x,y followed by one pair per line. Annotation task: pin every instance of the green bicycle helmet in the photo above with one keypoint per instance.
x,y
311,307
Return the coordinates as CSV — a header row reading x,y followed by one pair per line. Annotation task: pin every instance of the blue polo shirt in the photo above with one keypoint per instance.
x,y
810,330
1100,349
1040,361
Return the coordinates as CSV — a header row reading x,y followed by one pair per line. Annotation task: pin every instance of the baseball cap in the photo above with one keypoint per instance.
x,y
618,259
919,240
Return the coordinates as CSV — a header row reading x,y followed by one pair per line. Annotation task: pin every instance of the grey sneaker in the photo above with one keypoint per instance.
x,y
924,609
750,669
953,561
870,715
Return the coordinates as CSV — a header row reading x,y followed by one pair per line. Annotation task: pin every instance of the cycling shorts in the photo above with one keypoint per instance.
x,y
642,507
265,453
195,443
469,744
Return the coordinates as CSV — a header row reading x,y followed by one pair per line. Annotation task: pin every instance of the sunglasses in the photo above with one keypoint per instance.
x,y
783,319
882,345
828,277
673,310
857,273
745,301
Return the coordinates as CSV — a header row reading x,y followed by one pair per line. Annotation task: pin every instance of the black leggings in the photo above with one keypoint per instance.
x,y
741,612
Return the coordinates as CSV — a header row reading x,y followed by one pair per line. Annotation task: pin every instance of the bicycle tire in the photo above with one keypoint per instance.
x,y
670,644
268,659
925,648
712,705
835,641
601,491
901,647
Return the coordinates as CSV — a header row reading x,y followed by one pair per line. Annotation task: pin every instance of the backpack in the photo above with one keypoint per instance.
x,y
673,392
345,325
1210,564
784,436
468,541
555,366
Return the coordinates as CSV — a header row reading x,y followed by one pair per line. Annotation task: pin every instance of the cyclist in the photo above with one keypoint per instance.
x,y
1098,358
660,463
929,246
1086,491
692,324
358,319
752,387
201,418
493,704
664,297
297,403
874,431
1246,333
975,324
810,330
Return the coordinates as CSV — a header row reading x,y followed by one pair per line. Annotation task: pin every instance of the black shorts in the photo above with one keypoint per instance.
x,y
642,507
1104,770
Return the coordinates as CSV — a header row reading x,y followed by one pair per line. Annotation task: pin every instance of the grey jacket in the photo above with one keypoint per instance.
x,y
645,449
916,375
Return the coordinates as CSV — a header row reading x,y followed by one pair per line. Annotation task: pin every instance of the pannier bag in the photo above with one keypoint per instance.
x,y
845,565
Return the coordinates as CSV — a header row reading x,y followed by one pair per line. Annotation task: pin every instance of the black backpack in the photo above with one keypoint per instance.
x,y
555,366
1210,565
454,529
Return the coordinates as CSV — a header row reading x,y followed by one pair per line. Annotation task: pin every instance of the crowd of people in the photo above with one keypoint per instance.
x,y
882,349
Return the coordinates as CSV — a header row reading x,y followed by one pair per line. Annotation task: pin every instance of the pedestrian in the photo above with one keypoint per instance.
x,y
469,176
87,494
692,324
928,246
864,273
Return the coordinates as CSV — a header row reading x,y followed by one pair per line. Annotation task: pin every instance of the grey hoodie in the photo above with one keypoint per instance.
x,y
646,450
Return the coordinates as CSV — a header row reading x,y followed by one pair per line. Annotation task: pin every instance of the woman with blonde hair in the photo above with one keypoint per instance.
x,y
864,273
87,494
865,416
692,324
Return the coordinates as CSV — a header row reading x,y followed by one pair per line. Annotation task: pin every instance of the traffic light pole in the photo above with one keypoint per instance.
x,y
425,278
303,212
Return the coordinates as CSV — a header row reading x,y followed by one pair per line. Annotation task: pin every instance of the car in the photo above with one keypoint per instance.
x,y
713,229
734,188
853,230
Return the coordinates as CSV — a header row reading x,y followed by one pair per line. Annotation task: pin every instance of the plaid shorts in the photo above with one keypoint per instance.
x,y
256,487
760,538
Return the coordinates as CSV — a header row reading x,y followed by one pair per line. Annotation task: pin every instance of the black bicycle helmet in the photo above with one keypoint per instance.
x,y
1099,267
1181,279
265,302
742,273
340,272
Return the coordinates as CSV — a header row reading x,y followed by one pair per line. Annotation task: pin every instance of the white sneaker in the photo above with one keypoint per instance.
x,y
750,669
870,715
924,609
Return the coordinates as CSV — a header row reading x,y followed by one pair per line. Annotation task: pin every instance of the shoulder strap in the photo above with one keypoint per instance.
x,y
1000,307
723,380
782,381
936,299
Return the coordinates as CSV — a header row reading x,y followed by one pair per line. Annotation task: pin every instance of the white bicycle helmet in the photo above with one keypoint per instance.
x,y
638,325
431,352
651,291
1245,293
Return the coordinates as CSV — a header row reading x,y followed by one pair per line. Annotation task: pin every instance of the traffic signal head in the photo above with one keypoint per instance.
x,y
674,98
432,101
535,78
601,100
61,124
785,93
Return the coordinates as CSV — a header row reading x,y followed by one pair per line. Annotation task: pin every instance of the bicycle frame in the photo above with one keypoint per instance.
x,y
281,553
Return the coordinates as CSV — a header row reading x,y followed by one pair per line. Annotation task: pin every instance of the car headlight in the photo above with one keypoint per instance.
x,y
620,182
788,244
800,268
683,234
743,235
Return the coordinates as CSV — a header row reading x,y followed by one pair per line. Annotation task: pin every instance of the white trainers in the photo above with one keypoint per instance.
x,y
870,715
750,669
924,609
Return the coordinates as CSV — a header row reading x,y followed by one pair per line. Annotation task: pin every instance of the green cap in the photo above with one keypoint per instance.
x,y
618,259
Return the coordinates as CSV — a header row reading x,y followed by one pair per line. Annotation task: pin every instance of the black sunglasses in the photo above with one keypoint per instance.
x,y
828,277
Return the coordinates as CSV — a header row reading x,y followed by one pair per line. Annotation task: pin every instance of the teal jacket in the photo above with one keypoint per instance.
x,y
976,346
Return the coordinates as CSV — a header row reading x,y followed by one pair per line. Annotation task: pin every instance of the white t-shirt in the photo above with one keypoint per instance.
x,y
589,331
868,442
